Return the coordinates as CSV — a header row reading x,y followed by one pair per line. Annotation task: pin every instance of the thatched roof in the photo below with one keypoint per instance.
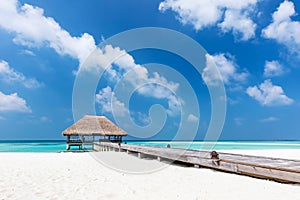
x,y
94,125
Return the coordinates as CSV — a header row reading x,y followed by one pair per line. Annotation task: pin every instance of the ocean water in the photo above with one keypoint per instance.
x,y
32,146
60,145
224,145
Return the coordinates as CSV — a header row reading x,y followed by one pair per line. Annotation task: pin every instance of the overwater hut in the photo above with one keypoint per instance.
x,y
92,127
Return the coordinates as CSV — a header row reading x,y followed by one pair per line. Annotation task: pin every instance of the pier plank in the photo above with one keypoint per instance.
x,y
283,170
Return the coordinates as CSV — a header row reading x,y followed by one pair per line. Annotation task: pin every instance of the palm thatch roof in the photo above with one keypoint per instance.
x,y
94,126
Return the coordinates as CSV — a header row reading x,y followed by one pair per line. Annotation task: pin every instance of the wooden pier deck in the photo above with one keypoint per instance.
x,y
282,170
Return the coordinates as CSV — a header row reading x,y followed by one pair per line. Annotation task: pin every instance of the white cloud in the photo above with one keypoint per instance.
x,y
198,13
10,76
268,94
192,118
273,68
33,29
13,102
124,67
283,29
210,74
143,118
160,87
227,70
205,13
101,59
2,118
153,85
138,74
269,119
240,25
27,52
108,101
174,105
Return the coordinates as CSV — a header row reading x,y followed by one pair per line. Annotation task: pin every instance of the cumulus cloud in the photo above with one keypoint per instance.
x,y
174,105
227,70
124,67
229,15
268,94
273,68
101,58
283,29
10,76
154,85
33,29
240,24
269,119
105,97
143,118
192,118
13,102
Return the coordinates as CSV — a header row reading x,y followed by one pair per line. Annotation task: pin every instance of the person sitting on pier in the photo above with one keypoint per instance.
x,y
215,158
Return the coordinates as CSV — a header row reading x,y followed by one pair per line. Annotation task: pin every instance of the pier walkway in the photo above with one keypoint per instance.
x,y
283,170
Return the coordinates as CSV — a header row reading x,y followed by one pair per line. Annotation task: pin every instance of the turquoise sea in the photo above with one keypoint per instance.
x,y
225,145
60,145
32,146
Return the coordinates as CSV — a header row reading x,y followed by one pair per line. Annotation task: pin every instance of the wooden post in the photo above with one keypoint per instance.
x,y
68,140
83,140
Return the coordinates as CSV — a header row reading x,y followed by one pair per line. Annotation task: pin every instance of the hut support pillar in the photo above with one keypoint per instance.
x,y
68,140
140,155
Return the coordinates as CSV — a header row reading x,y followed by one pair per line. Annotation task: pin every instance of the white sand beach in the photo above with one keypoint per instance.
x,y
80,176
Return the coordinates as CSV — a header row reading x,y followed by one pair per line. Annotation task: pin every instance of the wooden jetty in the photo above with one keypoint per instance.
x,y
282,170
91,128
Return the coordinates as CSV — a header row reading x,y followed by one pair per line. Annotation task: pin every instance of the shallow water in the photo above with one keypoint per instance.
x,y
60,145
225,145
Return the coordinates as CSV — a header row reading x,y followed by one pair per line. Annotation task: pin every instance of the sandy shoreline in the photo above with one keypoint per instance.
x,y
80,176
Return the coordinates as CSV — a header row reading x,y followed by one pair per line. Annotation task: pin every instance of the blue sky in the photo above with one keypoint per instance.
x,y
254,44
